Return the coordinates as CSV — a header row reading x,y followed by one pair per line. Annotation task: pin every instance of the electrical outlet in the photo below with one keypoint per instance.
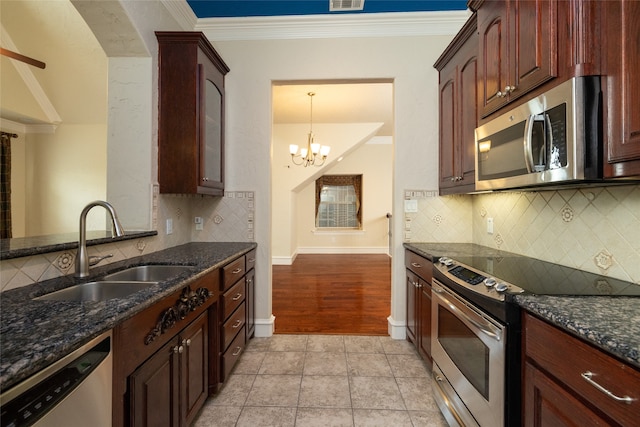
x,y
410,206
490,225
198,222
170,226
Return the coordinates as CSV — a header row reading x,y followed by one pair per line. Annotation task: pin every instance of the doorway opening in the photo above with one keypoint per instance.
x,y
355,119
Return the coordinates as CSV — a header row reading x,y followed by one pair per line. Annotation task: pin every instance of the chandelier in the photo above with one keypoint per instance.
x,y
314,154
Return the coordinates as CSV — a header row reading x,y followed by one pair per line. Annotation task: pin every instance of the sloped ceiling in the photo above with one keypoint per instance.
x,y
75,77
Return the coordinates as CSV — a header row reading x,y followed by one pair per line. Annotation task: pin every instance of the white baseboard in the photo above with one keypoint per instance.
x,y
265,327
397,329
345,250
283,260
288,260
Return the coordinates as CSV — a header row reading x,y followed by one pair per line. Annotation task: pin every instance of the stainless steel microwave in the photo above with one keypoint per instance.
x,y
553,139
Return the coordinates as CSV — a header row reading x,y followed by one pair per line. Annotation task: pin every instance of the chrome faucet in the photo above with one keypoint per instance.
x,y
83,261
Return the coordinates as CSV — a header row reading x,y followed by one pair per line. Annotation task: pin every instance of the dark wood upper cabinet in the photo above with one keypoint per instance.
x,y
191,114
458,92
517,50
621,88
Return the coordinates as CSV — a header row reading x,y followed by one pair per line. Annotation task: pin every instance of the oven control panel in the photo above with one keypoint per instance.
x,y
475,280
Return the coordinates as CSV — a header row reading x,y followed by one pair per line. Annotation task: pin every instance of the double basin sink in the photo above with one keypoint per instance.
x,y
117,285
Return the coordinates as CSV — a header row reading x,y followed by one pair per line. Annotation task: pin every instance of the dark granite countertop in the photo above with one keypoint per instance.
x,y
34,334
611,323
27,246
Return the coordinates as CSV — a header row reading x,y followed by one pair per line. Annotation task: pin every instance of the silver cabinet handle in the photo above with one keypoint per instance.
x,y
238,323
186,343
178,349
236,271
237,352
588,377
237,297
416,265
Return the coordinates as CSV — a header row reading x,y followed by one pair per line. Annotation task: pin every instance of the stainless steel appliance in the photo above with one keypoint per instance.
x,y
476,330
73,392
554,138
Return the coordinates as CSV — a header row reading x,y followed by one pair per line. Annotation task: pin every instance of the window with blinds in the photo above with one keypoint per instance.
x,y
338,201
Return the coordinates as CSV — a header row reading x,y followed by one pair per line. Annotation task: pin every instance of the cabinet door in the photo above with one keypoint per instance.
x,y
425,321
621,87
533,44
494,56
448,114
194,341
518,49
211,126
413,282
468,113
154,387
548,404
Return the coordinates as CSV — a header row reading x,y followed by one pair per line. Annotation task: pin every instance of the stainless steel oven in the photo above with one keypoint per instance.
x,y
469,357
476,329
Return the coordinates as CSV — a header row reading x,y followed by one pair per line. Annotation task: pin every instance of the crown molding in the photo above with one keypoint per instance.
x,y
22,128
182,13
333,26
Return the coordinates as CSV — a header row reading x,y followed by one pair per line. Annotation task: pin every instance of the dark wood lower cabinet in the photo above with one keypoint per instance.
x,y
418,276
566,381
549,404
170,388
154,390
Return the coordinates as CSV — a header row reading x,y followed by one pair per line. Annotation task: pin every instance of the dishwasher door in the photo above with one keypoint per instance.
x,y
74,391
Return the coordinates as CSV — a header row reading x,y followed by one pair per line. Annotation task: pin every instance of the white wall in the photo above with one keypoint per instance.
x,y
407,61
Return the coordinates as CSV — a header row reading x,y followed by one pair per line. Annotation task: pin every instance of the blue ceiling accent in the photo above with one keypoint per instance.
x,y
244,8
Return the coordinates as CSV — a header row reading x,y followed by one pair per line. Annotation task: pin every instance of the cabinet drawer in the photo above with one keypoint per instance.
x,y
145,333
419,265
250,259
232,298
232,272
567,358
233,325
230,357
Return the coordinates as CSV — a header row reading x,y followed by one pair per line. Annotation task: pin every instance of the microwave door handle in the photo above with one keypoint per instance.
x,y
528,150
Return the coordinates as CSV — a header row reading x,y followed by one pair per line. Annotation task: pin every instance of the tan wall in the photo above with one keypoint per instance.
x,y
375,163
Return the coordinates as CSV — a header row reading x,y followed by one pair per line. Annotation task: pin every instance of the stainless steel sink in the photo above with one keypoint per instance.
x,y
96,291
148,273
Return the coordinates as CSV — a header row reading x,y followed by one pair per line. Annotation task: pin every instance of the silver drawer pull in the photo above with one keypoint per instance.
x,y
238,323
252,260
416,265
237,352
588,377
237,297
236,271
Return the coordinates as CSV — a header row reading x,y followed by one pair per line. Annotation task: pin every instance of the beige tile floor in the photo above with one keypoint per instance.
x,y
325,380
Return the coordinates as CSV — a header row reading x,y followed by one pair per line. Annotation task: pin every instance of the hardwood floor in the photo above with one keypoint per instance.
x,y
333,294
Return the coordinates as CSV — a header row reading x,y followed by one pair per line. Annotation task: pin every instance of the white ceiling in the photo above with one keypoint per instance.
x,y
335,102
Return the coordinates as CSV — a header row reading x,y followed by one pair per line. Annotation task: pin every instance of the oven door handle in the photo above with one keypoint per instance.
x,y
466,314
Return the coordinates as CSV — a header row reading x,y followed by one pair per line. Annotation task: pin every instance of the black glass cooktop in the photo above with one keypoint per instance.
x,y
545,278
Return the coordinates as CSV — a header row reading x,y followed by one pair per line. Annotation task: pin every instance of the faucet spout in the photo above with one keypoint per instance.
x,y
82,259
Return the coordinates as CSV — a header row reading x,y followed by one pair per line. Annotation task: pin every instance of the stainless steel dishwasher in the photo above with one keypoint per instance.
x,y
74,391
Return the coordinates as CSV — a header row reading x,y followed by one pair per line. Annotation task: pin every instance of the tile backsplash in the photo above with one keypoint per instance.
x,y
596,229
228,218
